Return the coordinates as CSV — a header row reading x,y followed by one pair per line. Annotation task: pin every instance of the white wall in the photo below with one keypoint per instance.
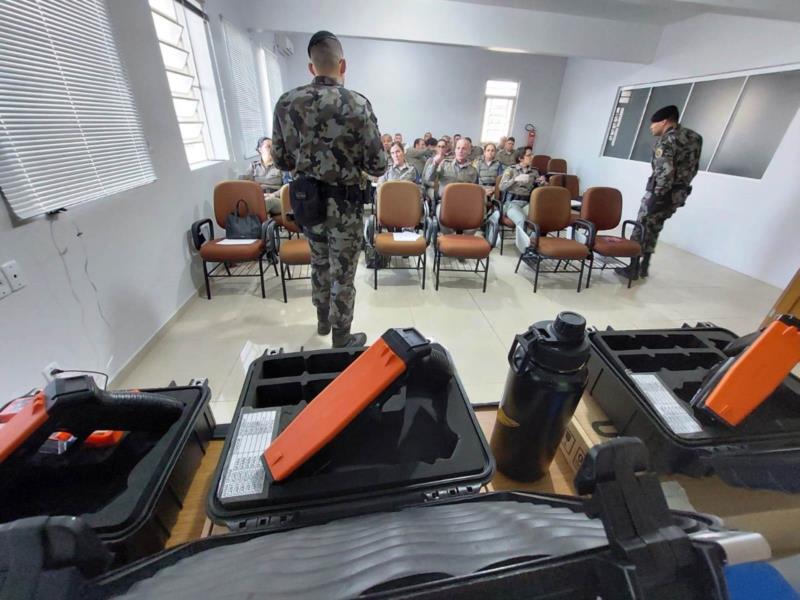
x,y
417,87
745,224
133,246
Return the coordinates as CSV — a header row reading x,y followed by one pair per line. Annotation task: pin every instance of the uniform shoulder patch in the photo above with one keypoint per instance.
x,y
659,152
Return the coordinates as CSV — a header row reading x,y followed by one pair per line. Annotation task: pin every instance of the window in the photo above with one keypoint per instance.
x,y
741,116
246,90
183,40
498,112
69,130
271,84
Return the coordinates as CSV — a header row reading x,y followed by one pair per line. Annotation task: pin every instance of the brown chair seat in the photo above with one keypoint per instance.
x,y
609,245
386,244
295,252
507,222
562,248
464,246
213,251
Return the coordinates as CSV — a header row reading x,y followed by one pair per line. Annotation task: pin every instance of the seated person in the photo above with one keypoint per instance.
x,y
449,153
420,153
502,141
400,170
428,135
517,184
477,151
507,155
398,139
451,170
428,188
489,168
264,172
386,140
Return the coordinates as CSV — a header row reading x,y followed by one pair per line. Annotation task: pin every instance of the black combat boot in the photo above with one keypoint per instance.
x,y
323,323
645,266
628,272
342,338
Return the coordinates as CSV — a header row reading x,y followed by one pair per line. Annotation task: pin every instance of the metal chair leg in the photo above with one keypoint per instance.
x,y
283,284
580,276
536,277
591,266
437,265
205,275
375,273
518,262
485,274
227,270
502,232
424,262
261,272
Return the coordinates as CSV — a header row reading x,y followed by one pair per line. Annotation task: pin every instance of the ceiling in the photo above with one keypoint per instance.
x,y
655,12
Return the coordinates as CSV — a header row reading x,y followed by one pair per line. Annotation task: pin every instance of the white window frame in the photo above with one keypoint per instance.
x,y
69,128
488,97
202,131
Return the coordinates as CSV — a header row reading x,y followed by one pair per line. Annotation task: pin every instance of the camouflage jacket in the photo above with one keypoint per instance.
x,y
676,157
407,172
325,131
476,154
269,176
508,159
418,157
507,183
488,174
449,171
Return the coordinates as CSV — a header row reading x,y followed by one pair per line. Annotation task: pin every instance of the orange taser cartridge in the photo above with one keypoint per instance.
x,y
746,381
337,405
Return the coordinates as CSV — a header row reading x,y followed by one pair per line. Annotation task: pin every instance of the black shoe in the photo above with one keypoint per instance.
x,y
645,266
344,339
627,272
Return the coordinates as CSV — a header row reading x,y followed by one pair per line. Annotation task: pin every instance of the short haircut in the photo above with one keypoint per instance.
x,y
511,139
326,54
417,141
469,139
397,145
492,144
431,141
400,134
386,135
261,140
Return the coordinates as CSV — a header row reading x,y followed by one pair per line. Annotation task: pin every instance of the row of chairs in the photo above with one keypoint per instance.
x,y
399,210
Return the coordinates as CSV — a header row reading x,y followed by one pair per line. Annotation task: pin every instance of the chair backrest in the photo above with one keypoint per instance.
x,y
571,182
550,208
462,206
286,207
556,165
399,204
602,206
227,195
540,162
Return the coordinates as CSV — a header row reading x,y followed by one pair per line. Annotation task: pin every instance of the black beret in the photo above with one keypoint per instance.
x,y
319,37
668,112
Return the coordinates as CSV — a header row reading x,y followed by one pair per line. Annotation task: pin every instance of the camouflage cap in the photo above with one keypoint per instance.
x,y
318,37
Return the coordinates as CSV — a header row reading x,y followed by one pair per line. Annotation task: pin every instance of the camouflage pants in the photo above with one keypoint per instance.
x,y
335,245
653,213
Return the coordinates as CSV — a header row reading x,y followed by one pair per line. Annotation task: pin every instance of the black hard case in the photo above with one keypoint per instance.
x,y
131,499
763,452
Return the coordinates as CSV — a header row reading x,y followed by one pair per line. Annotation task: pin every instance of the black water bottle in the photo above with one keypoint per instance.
x,y
546,378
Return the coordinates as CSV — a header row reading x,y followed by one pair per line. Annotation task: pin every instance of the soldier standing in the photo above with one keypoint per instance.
x,y
676,157
326,135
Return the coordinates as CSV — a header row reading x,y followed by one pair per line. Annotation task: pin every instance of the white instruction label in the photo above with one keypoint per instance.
x,y
666,404
245,474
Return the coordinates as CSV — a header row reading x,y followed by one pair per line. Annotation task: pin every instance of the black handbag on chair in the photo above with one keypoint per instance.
x,y
240,226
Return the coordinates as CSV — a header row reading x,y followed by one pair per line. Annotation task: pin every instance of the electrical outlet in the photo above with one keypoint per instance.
x,y
48,371
16,279
5,289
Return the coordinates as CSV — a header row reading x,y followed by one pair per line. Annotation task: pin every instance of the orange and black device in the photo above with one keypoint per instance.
x,y
759,364
358,386
75,406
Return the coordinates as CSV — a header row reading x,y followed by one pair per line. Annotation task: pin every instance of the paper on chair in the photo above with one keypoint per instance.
x,y
406,236
227,242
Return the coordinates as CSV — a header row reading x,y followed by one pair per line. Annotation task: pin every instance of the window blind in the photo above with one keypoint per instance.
x,y
241,60
69,130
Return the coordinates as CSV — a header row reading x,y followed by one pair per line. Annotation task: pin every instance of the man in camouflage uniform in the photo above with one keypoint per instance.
x,y
325,132
477,151
517,184
420,153
264,172
676,157
507,155
451,170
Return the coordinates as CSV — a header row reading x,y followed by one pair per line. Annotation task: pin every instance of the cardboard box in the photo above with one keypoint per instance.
x,y
773,514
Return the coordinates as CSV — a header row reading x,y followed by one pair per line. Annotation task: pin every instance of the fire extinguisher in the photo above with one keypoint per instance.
x,y
531,134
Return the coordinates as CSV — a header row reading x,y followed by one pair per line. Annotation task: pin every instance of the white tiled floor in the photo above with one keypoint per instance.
x,y
218,339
